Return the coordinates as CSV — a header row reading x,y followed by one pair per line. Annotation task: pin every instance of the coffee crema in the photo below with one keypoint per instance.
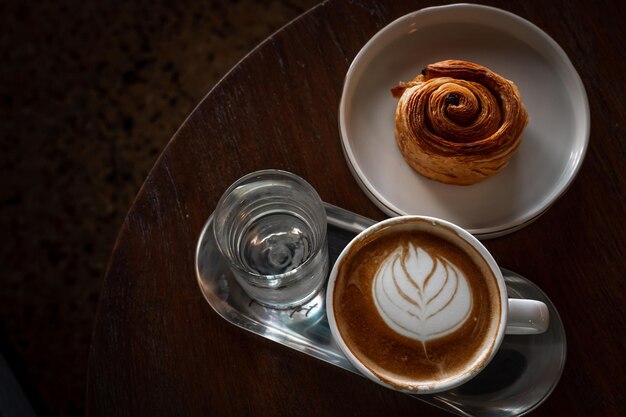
x,y
416,308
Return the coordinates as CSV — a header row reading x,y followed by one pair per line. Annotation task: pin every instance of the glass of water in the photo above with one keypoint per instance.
x,y
270,226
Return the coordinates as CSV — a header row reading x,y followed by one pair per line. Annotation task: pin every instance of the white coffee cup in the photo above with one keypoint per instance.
x,y
515,316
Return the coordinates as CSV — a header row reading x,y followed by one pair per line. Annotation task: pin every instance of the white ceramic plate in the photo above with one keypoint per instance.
x,y
553,144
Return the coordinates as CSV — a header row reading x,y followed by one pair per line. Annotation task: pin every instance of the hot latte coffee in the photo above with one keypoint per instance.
x,y
418,306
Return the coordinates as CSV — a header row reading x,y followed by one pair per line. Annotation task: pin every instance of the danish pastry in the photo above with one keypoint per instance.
x,y
458,122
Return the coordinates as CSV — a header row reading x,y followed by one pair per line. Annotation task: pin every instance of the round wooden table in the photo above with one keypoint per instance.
x,y
159,349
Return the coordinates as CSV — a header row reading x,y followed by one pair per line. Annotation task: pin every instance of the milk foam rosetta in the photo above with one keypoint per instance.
x,y
421,295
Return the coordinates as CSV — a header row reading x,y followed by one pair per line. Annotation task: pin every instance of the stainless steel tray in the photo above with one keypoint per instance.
x,y
521,376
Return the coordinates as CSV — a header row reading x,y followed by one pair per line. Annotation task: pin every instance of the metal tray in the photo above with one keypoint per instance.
x,y
521,376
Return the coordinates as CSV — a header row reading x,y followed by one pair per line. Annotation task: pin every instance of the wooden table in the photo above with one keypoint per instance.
x,y
159,349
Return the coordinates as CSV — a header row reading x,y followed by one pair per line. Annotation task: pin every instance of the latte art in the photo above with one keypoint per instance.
x,y
417,305
421,295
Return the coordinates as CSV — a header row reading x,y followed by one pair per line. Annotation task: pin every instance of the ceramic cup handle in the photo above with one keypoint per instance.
x,y
527,317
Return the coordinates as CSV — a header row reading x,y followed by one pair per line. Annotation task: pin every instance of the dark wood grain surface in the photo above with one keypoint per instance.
x,y
159,349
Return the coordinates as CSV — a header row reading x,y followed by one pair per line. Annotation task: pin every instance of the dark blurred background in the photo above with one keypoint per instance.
x,y
91,92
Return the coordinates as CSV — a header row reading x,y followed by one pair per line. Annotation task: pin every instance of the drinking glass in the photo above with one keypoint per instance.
x,y
270,227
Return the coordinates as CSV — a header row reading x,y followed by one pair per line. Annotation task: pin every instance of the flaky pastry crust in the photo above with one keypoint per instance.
x,y
458,122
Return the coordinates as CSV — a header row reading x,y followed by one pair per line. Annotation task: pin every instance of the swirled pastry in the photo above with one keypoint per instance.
x,y
458,122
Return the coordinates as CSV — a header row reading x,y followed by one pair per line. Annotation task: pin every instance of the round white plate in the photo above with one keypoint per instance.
x,y
553,144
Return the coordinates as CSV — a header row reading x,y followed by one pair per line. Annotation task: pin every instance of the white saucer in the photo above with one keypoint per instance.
x,y
553,144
